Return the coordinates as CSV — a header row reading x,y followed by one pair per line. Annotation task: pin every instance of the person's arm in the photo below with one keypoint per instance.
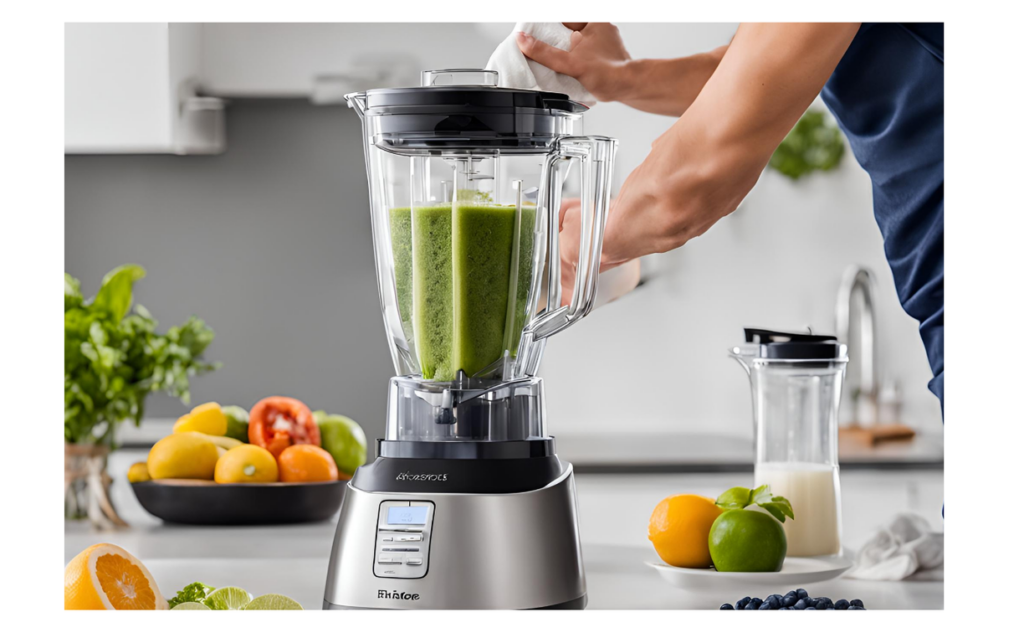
x,y
599,60
703,166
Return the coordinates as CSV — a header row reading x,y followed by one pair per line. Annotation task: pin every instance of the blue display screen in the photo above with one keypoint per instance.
x,y
407,515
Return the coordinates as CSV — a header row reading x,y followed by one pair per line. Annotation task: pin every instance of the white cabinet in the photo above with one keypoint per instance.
x,y
131,89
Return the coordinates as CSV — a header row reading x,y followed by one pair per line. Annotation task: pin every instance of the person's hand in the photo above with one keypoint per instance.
x,y
596,57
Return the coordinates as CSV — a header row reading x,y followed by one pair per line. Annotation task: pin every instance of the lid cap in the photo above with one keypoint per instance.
x,y
785,345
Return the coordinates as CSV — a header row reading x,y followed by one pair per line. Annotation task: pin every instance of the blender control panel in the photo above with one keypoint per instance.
x,y
403,539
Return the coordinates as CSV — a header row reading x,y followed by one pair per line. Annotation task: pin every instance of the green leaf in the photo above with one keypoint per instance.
x,y
192,593
72,292
774,510
761,494
813,145
735,498
115,294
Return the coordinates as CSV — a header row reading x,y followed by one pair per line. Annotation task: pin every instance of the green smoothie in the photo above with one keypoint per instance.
x,y
452,272
432,290
483,241
401,250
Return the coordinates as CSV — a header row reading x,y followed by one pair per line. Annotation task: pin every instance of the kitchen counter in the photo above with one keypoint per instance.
x,y
614,509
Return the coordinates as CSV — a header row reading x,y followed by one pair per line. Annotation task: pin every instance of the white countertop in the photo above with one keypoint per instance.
x,y
614,510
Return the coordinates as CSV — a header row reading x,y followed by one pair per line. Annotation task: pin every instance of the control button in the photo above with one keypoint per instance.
x,y
400,549
388,560
413,561
388,539
408,539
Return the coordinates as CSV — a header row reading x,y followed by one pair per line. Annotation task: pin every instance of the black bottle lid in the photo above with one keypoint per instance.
x,y
785,345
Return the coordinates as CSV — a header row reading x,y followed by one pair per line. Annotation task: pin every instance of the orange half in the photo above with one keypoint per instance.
x,y
106,577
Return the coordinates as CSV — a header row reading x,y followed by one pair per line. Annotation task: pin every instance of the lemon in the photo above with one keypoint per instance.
x,y
273,602
247,463
138,472
205,418
228,598
679,530
183,455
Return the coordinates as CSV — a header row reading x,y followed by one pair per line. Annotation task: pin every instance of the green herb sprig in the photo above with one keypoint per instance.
x,y
114,358
740,497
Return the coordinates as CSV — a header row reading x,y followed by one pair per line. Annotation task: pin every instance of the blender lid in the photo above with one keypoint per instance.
x,y
783,345
466,109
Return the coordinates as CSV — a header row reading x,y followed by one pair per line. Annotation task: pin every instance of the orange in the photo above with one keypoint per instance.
x,y
247,463
106,577
679,530
306,463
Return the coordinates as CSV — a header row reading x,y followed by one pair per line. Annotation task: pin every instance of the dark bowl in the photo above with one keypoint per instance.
x,y
200,502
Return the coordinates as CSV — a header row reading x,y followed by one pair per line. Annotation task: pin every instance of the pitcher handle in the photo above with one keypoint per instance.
x,y
597,159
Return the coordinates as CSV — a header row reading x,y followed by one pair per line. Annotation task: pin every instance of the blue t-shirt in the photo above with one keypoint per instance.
x,y
887,96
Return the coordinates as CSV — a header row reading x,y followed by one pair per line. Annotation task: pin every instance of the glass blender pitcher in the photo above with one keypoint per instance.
x,y
467,505
796,382
463,256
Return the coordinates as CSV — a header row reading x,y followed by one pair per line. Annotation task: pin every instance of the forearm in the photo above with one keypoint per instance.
x,y
667,86
704,165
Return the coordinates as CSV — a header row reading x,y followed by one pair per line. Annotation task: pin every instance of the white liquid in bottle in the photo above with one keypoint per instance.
x,y
813,490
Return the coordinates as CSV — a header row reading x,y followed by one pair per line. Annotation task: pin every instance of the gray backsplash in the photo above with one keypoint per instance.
x,y
269,243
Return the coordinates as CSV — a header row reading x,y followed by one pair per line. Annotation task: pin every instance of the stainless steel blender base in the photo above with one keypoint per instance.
x,y
474,551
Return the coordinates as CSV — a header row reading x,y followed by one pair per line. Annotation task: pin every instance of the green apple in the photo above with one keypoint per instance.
x,y
747,540
344,439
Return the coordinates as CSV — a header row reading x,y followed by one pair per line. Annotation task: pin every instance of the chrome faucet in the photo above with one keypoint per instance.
x,y
859,280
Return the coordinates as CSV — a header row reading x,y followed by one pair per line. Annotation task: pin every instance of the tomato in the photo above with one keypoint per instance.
x,y
276,423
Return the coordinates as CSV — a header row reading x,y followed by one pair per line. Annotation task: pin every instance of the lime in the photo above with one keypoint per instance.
x,y
238,422
344,439
273,602
745,540
228,598
190,606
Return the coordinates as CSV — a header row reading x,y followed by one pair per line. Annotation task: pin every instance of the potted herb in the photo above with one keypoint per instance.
x,y
813,145
113,359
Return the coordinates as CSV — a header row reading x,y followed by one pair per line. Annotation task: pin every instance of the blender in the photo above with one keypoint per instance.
x,y
467,505
796,381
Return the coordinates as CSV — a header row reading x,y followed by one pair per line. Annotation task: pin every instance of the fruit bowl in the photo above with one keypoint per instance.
x,y
202,502
795,572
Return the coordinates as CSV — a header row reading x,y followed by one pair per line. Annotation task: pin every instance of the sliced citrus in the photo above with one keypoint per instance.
x,y
190,606
228,598
273,602
106,577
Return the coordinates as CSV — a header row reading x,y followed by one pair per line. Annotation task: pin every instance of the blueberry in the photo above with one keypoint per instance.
x,y
857,602
740,604
751,606
801,593
823,603
726,606
785,609
810,609
855,607
791,592
756,602
801,604
789,600
842,604
767,605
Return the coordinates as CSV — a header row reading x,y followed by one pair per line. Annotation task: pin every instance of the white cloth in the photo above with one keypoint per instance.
x,y
517,71
906,549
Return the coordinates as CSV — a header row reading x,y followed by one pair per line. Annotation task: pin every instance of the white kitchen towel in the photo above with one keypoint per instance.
x,y
517,71
906,549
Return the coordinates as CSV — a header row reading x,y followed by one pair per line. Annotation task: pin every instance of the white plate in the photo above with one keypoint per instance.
x,y
795,572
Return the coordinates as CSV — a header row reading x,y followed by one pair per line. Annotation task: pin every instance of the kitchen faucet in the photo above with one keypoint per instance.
x,y
859,280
